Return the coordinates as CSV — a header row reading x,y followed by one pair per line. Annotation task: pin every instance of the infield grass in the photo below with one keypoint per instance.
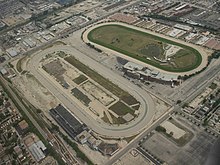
x,y
145,47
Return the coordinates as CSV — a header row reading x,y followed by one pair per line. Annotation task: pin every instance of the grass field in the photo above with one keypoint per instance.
x,y
118,120
79,95
121,109
80,79
145,47
115,120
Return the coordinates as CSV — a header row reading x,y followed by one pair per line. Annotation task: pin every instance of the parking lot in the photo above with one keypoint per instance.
x,y
194,152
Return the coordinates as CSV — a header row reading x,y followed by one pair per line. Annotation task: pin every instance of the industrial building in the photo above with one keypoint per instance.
x,y
38,150
67,121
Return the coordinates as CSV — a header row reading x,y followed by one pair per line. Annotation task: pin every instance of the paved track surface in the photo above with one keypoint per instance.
x,y
147,108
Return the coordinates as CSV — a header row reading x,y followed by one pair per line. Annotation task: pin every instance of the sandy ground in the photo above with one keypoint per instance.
x,y
204,52
93,155
170,127
36,93
161,107
96,156
98,93
98,107
100,97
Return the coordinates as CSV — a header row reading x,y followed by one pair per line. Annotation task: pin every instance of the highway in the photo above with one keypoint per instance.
x,y
146,109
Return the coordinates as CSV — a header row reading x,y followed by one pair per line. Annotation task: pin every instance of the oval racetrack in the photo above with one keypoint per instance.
x,y
147,108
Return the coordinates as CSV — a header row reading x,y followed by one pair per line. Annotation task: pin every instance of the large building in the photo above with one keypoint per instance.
x,y
67,121
139,72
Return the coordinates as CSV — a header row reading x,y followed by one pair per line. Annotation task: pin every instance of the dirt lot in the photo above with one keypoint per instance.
x,y
161,107
32,89
170,127
59,69
98,93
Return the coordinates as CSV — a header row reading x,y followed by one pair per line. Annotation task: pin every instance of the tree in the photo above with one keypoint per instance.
x,y
10,65
178,101
39,111
55,128
1,101
185,105
160,129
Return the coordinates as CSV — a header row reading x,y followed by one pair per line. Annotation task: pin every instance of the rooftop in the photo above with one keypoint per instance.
x,y
66,120
23,124
149,72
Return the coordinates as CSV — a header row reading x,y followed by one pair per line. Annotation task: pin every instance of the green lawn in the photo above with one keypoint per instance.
x,y
80,79
81,96
121,109
144,47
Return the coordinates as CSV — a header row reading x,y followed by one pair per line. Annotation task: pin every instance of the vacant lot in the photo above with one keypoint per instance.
x,y
172,129
195,152
133,157
108,85
176,132
145,47
55,68
98,93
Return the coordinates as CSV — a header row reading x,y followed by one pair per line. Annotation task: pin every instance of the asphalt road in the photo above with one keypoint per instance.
x,y
73,29
134,142
189,91
147,108
196,84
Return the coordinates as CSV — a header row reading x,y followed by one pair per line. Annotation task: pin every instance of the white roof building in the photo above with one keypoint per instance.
x,y
133,66
12,52
37,149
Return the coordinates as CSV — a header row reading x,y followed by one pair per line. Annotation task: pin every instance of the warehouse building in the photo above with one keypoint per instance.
x,y
67,121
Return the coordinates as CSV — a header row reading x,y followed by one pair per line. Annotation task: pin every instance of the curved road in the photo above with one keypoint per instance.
x,y
147,108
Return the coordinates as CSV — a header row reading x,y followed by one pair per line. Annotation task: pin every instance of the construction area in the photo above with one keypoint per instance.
x,y
37,94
